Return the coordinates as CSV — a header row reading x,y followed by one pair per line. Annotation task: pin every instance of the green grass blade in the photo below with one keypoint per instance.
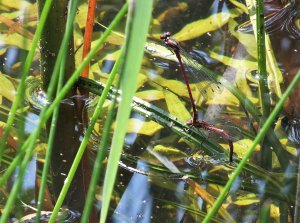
x,y
136,33
264,94
261,60
93,120
81,149
101,153
258,138
32,139
25,72
68,85
50,146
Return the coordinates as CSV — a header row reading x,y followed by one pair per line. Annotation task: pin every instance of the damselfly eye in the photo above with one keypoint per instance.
x,y
165,35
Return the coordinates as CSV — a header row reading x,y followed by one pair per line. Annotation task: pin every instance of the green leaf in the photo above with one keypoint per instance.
x,y
138,19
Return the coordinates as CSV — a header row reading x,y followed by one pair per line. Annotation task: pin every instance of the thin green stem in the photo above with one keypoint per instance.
x,y
98,163
83,144
25,72
14,191
50,145
138,20
32,139
68,85
96,114
165,119
264,94
261,59
250,151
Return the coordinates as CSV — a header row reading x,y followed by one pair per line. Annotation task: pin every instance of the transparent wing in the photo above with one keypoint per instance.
x,y
204,79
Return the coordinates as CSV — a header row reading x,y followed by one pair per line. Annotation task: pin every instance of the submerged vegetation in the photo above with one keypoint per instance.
x,y
95,110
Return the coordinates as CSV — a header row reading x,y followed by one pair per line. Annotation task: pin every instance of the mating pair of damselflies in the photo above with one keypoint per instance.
x,y
185,63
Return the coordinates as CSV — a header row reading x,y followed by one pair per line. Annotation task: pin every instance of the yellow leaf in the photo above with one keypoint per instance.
x,y
274,212
16,4
225,98
81,15
7,89
175,86
172,153
150,95
176,107
240,6
247,200
241,147
143,127
248,40
200,27
159,51
142,79
236,63
16,40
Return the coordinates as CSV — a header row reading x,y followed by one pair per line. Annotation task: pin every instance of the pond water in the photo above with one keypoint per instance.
x,y
169,172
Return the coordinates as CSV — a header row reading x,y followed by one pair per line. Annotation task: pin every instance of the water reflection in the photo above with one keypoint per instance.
x,y
283,18
136,203
292,129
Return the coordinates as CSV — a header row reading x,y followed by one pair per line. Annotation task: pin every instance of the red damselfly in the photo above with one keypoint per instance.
x,y
176,49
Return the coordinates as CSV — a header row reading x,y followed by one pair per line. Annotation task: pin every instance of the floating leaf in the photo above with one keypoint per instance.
x,y
241,147
247,200
275,76
150,95
209,199
175,86
143,127
142,79
200,27
173,10
242,84
171,153
225,98
7,89
289,146
81,15
240,6
224,169
236,63
159,51
274,211
242,69
41,148
16,4
15,40
176,107
248,40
